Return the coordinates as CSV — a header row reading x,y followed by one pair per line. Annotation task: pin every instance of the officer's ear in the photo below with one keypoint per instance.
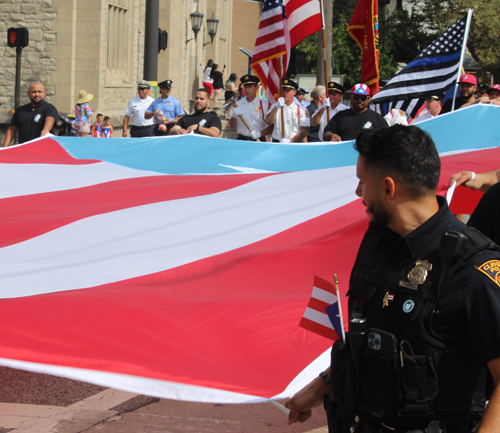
x,y
389,188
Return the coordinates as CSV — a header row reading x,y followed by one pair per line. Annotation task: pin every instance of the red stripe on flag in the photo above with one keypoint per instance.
x,y
319,329
44,151
318,305
32,215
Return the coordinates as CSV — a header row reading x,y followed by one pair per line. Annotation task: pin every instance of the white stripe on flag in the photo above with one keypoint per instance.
x,y
323,295
298,16
25,179
423,75
146,239
316,316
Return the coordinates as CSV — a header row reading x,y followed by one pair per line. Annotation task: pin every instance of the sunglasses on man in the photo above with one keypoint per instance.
x,y
360,97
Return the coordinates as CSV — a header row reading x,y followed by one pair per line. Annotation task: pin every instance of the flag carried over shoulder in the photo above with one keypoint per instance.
x,y
323,314
432,72
283,24
363,28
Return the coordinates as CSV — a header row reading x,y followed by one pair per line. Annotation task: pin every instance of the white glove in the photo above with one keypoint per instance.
x,y
281,102
238,111
255,135
326,102
285,140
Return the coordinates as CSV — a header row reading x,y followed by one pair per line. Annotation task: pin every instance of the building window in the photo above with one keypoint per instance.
x,y
119,60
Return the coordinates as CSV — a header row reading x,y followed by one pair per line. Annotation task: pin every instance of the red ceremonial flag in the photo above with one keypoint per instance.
x,y
363,28
283,24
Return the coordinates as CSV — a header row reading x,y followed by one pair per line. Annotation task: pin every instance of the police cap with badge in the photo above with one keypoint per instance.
x,y
143,84
302,91
167,84
289,84
335,87
249,79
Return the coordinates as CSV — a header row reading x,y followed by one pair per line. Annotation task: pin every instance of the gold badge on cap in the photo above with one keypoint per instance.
x,y
285,81
246,77
417,275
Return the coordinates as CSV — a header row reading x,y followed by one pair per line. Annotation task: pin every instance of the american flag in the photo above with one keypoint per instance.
x,y
283,24
432,72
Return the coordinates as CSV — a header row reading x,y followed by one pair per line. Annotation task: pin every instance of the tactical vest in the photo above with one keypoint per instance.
x,y
398,372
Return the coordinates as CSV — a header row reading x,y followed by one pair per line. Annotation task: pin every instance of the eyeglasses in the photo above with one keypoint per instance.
x,y
360,97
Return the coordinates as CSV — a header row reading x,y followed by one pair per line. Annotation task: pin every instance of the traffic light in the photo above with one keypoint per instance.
x,y
18,38
162,40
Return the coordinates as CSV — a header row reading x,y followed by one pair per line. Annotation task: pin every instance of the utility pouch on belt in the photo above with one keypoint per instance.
x,y
340,357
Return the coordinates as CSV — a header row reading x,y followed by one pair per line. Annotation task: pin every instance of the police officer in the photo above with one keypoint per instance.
x,y
253,110
166,110
141,127
331,106
424,305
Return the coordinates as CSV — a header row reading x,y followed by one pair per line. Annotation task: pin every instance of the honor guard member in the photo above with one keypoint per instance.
x,y
136,108
334,104
253,110
424,306
166,110
301,94
296,117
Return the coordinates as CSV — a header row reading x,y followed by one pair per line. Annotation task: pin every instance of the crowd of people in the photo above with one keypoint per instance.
x,y
293,118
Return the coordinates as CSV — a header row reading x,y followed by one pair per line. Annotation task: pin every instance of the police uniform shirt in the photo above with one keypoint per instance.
x,y
323,122
30,120
294,115
254,114
422,117
170,107
136,109
486,216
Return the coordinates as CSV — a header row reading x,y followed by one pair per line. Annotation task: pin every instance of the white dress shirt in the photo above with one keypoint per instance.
x,y
136,109
295,117
253,112
323,122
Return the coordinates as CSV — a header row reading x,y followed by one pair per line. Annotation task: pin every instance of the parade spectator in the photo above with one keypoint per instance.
x,y
230,87
96,130
107,128
136,109
347,124
318,95
218,78
482,90
432,109
301,94
34,119
83,113
467,86
296,118
201,122
166,108
208,82
252,109
332,105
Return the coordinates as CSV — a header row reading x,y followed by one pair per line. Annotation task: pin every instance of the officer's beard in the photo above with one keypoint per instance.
x,y
379,217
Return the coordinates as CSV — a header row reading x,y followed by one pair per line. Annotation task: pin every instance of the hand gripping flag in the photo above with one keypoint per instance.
x,y
322,314
431,73
283,24
363,28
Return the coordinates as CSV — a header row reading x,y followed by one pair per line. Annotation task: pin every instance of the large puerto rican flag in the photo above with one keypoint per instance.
x,y
180,267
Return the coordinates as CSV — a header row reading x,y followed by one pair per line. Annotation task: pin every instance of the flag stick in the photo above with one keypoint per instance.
x,y
324,55
462,55
281,94
244,121
282,408
335,278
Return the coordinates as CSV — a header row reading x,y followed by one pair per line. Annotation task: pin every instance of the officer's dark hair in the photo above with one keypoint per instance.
x,y
405,152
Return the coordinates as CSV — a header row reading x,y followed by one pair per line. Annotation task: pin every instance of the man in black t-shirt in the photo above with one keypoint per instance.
x,y
34,119
468,86
347,124
201,122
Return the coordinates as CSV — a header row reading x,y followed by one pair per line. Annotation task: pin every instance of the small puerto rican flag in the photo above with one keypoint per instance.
x,y
322,311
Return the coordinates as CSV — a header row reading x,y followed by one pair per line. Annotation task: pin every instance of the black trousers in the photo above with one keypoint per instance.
x,y
141,131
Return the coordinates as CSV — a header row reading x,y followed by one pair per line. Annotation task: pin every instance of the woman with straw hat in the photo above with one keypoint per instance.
x,y
83,114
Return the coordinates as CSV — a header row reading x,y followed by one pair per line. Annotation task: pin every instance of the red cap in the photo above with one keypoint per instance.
x,y
468,78
494,87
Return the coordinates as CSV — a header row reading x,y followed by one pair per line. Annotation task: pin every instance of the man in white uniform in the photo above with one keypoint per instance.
x,y
296,117
334,104
433,108
136,108
253,110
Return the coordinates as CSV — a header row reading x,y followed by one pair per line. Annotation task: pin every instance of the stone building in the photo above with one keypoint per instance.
x,y
98,46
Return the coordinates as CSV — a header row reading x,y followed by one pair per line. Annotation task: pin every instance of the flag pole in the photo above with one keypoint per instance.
x,y
324,55
281,94
335,278
462,55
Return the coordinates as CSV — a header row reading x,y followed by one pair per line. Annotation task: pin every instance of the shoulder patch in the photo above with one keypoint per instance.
x,y
492,270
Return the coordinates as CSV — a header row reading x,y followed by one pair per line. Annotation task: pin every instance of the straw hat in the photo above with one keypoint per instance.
x,y
84,97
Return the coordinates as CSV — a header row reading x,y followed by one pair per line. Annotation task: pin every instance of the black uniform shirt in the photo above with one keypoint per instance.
x,y
486,216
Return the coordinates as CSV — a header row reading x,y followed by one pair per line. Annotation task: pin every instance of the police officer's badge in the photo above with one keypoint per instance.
x,y
492,270
417,275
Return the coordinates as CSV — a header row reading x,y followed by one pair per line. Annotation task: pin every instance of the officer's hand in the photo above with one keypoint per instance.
x,y
281,102
300,404
466,178
326,102
238,111
285,140
255,135
124,134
